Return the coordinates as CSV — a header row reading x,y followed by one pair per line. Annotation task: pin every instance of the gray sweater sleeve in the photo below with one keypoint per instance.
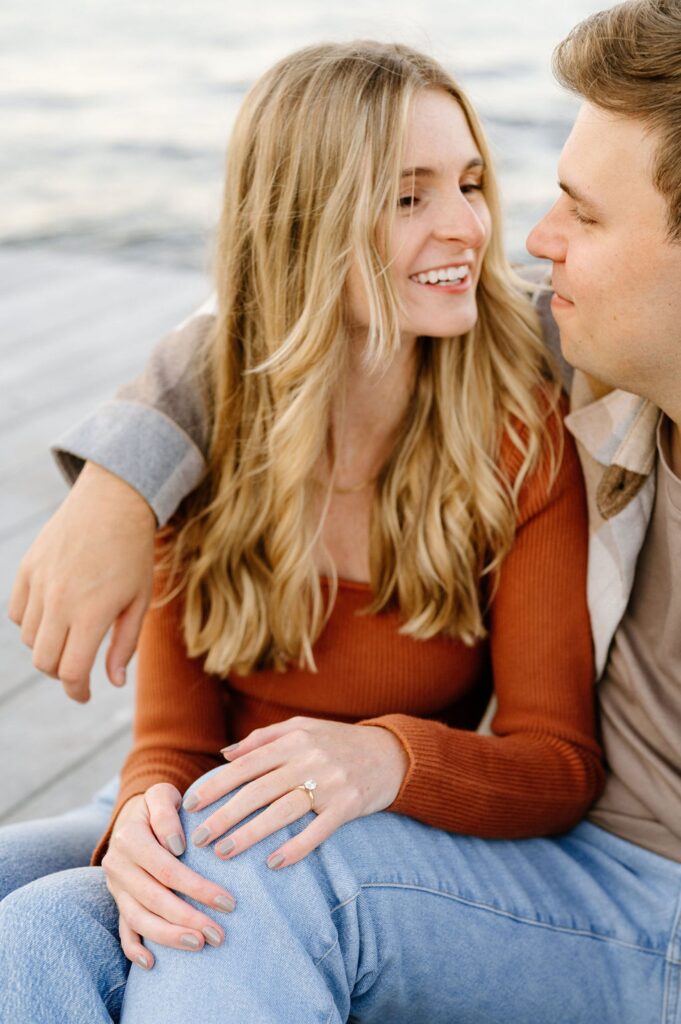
x,y
154,432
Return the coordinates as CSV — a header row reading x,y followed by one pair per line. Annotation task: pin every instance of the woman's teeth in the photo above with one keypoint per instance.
x,y
443,276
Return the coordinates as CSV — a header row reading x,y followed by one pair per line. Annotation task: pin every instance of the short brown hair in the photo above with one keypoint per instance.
x,y
627,60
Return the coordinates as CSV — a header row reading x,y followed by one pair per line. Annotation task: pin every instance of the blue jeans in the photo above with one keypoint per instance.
x,y
389,921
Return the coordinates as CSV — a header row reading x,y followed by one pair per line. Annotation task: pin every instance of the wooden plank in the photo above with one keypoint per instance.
x,y
71,330
51,736
87,358
54,302
48,289
30,491
28,270
76,786
112,297
27,436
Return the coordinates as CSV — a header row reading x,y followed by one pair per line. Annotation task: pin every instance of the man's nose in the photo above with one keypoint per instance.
x,y
545,240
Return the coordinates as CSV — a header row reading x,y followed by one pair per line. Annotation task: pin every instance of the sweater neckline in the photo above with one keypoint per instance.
x,y
345,584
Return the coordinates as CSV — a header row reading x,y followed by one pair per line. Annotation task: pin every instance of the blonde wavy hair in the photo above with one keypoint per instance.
x,y
313,170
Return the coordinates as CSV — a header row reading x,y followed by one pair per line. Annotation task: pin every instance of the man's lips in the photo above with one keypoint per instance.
x,y
558,299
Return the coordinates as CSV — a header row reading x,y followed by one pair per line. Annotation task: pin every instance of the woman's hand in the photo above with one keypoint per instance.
x,y
89,567
358,770
141,875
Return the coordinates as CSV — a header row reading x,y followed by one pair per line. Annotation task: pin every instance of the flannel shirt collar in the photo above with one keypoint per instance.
x,y
619,432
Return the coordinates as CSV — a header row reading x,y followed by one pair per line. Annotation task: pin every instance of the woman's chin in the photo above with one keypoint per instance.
x,y
450,328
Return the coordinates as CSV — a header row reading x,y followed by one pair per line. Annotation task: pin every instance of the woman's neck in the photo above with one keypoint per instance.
x,y
366,418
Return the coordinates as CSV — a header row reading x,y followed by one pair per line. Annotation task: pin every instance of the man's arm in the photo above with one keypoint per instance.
x,y
154,434
91,565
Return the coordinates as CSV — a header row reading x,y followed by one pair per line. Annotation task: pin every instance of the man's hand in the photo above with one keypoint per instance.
x,y
89,568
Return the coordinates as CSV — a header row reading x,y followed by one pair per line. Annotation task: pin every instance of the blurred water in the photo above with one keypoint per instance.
x,y
114,117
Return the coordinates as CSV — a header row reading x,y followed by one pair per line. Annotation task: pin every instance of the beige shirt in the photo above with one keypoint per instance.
x,y
640,692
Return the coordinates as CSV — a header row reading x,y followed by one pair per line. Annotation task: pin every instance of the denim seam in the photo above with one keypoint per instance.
x,y
671,981
329,950
351,899
113,991
521,919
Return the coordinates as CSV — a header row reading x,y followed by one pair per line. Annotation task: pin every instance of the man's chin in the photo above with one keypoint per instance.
x,y
574,355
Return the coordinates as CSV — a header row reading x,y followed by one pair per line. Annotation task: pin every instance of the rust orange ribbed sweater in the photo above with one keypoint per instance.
x,y
537,774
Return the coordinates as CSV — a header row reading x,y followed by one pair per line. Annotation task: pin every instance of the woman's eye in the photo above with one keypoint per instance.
x,y
407,202
471,187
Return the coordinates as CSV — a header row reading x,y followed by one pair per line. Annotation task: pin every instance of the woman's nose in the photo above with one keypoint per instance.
x,y
462,224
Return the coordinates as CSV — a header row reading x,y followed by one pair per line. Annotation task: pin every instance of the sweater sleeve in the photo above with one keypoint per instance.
x,y
541,769
180,713
154,433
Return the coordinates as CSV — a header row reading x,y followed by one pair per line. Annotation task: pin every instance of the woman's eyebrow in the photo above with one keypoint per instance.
x,y
431,172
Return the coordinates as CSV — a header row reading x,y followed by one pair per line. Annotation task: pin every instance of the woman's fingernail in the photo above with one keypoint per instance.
x,y
142,961
212,935
200,836
226,846
229,750
226,903
190,942
190,802
119,675
275,860
175,844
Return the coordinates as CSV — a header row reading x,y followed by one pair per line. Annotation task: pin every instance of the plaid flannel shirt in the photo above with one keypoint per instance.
x,y
616,441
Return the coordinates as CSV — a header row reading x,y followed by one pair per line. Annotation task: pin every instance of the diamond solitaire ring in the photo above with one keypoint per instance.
x,y
309,788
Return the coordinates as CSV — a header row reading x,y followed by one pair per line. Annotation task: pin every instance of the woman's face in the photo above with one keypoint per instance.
x,y
441,227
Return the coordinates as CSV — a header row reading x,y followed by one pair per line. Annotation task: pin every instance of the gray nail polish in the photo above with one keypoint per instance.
x,y
190,802
212,935
230,749
225,903
142,961
175,844
275,860
200,836
190,942
226,846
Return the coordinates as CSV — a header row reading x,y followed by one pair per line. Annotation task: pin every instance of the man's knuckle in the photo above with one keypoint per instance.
x,y
27,636
57,595
71,677
43,664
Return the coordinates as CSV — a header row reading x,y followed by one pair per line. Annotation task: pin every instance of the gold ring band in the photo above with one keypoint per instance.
x,y
309,788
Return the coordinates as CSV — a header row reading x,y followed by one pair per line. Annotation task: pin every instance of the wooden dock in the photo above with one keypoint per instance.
x,y
71,330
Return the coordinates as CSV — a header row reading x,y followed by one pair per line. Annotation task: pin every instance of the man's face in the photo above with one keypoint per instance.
x,y
616,275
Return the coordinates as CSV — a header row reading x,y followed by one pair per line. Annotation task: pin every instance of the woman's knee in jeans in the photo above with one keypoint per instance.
x,y
63,908
244,864
297,897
